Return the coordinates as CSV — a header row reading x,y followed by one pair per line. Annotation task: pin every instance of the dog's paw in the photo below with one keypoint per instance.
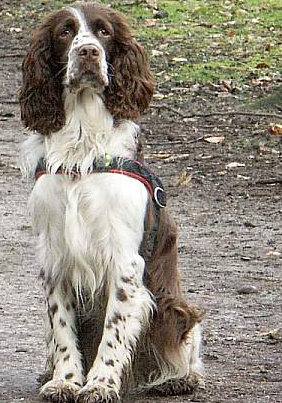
x,y
59,391
97,394
179,386
196,381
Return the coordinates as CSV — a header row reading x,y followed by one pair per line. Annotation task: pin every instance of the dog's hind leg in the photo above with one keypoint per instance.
x,y
174,337
181,367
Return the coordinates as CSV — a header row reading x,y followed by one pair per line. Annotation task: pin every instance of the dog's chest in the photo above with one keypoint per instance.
x,y
89,133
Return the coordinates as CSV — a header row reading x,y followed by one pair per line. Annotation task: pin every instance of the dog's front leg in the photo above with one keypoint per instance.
x,y
64,357
128,311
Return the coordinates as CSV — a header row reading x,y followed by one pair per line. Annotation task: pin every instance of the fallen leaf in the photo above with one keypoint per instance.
x,y
159,96
262,65
263,148
247,289
232,165
179,59
183,179
229,23
243,177
195,87
214,139
177,157
274,334
150,22
15,29
275,129
231,33
255,21
273,253
156,52
260,80
228,84
269,46
159,156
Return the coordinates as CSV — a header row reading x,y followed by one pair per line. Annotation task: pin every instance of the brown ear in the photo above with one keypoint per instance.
x,y
131,84
41,92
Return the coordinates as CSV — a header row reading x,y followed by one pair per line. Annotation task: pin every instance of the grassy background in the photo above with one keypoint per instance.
x,y
204,41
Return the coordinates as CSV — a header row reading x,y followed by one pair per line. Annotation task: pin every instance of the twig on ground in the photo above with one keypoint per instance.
x,y
216,113
196,139
8,102
9,56
273,181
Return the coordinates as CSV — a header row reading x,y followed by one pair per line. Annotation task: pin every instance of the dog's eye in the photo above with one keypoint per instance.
x,y
66,31
103,32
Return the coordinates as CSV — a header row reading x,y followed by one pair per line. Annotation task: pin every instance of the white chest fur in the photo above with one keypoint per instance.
x,y
88,133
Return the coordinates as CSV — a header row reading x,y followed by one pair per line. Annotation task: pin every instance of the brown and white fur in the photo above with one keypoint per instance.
x,y
84,79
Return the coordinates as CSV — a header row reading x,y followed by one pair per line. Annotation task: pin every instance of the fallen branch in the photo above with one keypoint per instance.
x,y
225,113
196,139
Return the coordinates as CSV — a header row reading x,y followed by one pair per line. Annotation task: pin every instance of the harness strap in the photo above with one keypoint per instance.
x,y
118,165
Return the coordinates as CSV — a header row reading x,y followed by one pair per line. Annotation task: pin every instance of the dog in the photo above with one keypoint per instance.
x,y
106,242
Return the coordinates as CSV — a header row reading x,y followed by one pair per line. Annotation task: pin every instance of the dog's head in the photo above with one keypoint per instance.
x,y
84,45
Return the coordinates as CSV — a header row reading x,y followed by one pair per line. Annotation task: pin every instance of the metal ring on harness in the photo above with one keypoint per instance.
x,y
160,200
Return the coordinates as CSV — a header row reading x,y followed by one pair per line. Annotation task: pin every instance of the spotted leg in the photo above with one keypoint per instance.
x,y
48,223
63,355
128,310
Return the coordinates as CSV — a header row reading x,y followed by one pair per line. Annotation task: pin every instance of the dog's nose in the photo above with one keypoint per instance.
x,y
89,52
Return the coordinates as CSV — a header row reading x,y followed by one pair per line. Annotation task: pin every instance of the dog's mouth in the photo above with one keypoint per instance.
x,y
94,79
88,79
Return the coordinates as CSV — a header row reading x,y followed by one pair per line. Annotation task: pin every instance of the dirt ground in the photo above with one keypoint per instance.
x,y
230,242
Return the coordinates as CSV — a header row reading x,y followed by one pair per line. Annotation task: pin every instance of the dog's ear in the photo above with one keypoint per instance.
x,y
41,91
131,84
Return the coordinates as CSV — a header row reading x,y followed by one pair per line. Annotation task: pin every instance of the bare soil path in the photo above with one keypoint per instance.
x,y
230,243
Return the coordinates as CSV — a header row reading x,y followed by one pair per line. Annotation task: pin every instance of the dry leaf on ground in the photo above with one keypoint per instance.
x,y
273,253
214,139
275,129
234,164
183,179
275,334
159,156
150,22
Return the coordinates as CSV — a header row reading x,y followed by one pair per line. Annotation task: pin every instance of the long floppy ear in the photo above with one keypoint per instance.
x,y
131,85
41,92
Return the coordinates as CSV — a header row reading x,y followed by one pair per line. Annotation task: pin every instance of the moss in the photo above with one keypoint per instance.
x,y
219,39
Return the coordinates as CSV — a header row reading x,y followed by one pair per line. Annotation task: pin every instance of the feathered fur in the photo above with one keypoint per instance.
x,y
84,79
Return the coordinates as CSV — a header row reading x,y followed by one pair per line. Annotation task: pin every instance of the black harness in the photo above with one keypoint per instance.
x,y
118,165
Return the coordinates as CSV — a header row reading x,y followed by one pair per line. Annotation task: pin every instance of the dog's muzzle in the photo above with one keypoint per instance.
x,y
87,66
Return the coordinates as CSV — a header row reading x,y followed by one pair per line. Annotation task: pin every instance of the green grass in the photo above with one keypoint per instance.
x,y
221,40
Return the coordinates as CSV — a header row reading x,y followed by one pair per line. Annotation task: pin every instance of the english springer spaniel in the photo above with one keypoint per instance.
x,y
106,242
